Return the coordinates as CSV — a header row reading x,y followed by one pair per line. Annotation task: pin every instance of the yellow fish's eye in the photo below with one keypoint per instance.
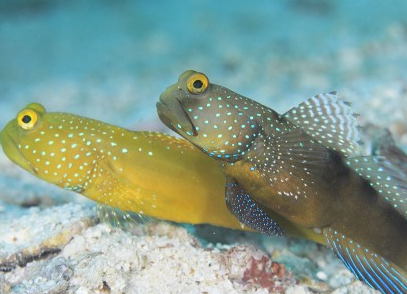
x,y
197,83
27,119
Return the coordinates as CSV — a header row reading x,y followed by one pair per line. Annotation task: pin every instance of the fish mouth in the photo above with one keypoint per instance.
x,y
12,151
173,115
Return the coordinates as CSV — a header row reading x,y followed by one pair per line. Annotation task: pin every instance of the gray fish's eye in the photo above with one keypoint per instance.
x,y
198,84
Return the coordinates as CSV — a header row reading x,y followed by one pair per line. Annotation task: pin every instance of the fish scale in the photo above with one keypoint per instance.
x,y
304,166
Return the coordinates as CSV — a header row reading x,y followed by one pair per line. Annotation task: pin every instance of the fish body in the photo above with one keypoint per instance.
x,y
148,173
304,165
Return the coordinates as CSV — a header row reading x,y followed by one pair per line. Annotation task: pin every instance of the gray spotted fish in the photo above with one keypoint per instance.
x,y
305,166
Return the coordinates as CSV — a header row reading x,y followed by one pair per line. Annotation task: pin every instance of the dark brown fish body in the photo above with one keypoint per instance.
x,y
338,197
305,166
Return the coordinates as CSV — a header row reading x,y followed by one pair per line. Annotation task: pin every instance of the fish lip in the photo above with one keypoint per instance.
x,y
161,111
164,109
14,153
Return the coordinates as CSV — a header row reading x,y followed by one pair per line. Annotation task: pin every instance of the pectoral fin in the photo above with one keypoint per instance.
x,y
248,212
366,265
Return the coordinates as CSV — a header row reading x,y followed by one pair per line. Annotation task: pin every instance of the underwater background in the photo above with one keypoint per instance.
x,y
110,60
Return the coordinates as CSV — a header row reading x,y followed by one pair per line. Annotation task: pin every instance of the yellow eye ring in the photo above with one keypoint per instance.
x,y
197,83
27,119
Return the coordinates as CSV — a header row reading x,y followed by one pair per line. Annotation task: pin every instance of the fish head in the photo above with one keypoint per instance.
x,y
210,116
19,133
47,145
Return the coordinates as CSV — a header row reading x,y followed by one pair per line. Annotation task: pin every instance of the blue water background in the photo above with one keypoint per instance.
x,y
111,59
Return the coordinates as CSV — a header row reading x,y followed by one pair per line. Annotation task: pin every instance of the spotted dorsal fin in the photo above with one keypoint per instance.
x,y
328,120
386,178
366,265
384,145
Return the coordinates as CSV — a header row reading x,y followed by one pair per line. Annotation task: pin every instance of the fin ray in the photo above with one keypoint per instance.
x,y
328,120
366,265
290,161
120,218
384,145
386,178
249,212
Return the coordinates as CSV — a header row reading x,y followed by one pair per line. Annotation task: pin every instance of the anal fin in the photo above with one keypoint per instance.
x,y
366,265
249,212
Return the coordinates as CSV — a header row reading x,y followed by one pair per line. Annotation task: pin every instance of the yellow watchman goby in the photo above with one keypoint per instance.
x,y
143,172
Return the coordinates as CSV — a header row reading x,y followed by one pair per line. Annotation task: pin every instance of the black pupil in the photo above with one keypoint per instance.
x,y
198,84
26,119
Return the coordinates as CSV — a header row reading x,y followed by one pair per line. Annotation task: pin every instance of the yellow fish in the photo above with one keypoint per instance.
x,y
148,173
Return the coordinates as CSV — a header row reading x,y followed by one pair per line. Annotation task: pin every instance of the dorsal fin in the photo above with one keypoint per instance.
x,y
366,265
384,145
387,179
328,120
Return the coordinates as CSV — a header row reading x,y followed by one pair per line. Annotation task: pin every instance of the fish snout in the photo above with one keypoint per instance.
x,y
172,114
10,148
4,140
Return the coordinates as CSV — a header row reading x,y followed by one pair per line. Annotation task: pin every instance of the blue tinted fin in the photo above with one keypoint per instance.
x,y
328,120
366,265
385,177
248,212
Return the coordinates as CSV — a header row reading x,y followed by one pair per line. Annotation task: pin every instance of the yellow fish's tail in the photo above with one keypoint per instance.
x,y
366,265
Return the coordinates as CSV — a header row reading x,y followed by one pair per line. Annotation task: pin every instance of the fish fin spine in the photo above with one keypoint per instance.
x,y
329,120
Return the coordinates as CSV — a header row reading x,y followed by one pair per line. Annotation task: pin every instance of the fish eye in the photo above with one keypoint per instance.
x,y
197,83
27,119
